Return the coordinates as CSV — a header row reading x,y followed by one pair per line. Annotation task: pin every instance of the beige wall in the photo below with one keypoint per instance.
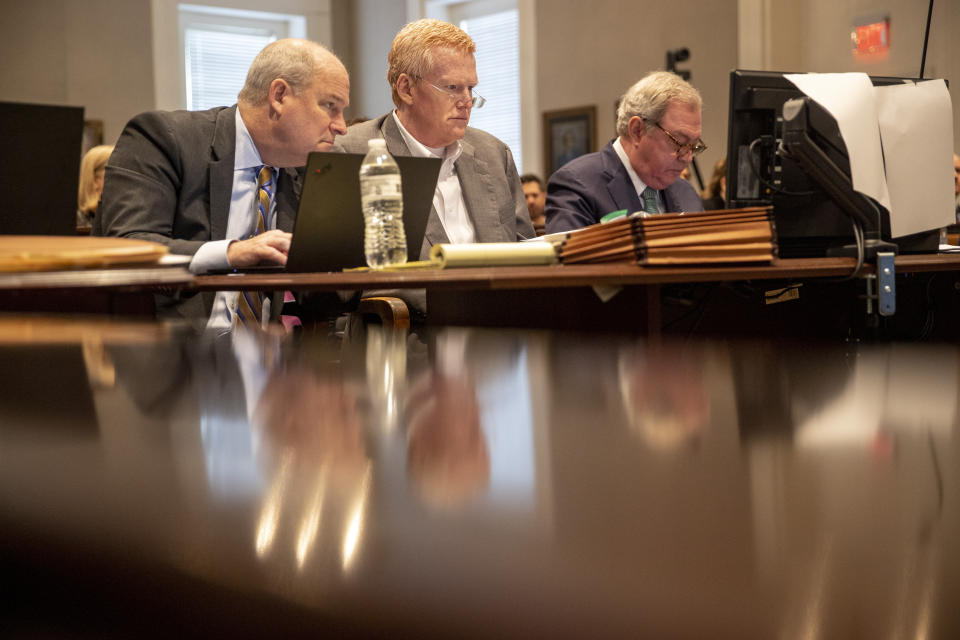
x,y
98,53
372,24
95,54
815,36
590,53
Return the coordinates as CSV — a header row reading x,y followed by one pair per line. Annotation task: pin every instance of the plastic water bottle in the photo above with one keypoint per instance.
x,y
381,195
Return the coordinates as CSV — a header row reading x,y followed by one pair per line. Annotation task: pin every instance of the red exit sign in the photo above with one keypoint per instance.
x,y
871,39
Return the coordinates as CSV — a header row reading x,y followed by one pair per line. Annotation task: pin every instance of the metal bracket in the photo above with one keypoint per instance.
x,y
886,283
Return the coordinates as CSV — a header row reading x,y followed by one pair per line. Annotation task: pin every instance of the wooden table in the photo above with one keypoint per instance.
x,y
127,291
559,276
558,296
542,488
566,296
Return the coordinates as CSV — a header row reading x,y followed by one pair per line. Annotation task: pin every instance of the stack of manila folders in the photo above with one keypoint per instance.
x,y
722,236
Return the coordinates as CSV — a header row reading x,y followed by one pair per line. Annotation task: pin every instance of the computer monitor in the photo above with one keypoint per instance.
x,y
40,165
809,222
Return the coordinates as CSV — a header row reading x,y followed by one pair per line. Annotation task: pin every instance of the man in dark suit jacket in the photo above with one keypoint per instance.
x,y
432,73
658,127
189,179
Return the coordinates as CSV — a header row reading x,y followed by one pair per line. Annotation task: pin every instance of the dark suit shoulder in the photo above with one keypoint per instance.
x,y
589,164
177,120
681,196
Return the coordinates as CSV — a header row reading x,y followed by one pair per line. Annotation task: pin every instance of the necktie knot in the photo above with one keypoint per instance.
x,y
651,203
264,196
265,176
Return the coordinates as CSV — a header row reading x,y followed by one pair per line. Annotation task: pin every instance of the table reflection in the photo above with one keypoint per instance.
x,y
661,486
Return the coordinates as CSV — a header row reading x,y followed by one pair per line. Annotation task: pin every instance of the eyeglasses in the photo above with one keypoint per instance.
x,y
455,93
694,148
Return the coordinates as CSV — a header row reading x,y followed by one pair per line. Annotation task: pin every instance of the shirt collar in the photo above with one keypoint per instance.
x,y
638,184
449,153
245,155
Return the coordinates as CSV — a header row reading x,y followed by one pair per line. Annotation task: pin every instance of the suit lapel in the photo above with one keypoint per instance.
x,y
669,205
221,171
391,133
477,191
619,185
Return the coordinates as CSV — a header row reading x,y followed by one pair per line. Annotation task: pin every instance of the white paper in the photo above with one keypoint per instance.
x,y
849,97
916,126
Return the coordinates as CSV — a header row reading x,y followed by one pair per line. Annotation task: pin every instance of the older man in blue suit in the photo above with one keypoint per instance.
x,y
658,127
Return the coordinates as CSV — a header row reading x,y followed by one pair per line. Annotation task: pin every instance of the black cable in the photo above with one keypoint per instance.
x,y
861,252
930,315
698,305
926,38
765,182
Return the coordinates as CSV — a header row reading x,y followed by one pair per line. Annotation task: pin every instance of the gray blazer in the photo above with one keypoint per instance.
x,y
170,179
488,178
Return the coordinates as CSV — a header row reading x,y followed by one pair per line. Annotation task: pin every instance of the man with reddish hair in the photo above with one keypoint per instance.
x,y
432,75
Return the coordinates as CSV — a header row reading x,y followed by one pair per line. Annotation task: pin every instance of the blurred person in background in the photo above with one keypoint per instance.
x,y
92,168
535,194
715,195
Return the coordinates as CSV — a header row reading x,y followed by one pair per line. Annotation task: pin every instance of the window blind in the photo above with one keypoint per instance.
x,y
216,62
498,69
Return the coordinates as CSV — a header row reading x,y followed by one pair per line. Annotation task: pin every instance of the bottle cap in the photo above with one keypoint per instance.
x,y
376,142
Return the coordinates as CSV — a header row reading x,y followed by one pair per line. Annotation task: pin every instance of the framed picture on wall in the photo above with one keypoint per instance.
x,y
568,133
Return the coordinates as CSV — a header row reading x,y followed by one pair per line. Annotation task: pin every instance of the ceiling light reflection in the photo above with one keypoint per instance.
x,y
354,531
270,514
310,524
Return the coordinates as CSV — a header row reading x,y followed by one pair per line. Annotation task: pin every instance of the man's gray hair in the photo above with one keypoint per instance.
x,y
291,59
650,97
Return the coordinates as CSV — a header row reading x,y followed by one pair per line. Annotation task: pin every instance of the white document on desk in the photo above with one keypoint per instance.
x,y
916,126
850,98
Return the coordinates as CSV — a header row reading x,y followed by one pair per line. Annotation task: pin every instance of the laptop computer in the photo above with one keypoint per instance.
x,y
328,234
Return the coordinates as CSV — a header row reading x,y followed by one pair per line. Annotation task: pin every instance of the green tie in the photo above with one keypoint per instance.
x,y
650,202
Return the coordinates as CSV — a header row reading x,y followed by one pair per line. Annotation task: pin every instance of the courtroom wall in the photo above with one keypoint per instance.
x,y
591,53
373,25
99,53
815,36
95,54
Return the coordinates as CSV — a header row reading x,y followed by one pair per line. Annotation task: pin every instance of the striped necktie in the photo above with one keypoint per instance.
x,y
651,203
250,303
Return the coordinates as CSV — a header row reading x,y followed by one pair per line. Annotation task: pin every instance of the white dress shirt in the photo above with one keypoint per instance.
x,y
241,222
638,184
448,198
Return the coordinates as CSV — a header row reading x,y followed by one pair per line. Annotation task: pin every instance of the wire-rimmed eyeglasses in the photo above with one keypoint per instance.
x,y
693,148
455,92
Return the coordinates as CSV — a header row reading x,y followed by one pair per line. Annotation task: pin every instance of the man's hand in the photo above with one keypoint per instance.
x,y
269,247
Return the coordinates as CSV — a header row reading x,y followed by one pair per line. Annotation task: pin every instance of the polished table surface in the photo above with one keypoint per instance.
x,y
565,275
471,278
474,484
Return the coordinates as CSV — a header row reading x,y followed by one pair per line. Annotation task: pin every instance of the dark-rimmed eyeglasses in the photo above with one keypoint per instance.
x,y
693,148
455,92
